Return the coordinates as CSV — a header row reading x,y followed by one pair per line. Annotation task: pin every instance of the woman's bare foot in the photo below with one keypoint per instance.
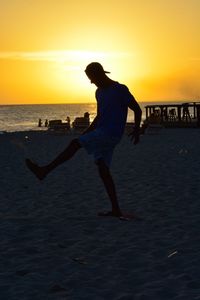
x,y
110,214
39,172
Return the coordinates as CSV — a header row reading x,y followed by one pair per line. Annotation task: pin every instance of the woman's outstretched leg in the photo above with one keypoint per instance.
x,y
42,171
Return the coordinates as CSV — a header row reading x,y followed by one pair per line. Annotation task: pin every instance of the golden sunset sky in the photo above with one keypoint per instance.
x,y
152,46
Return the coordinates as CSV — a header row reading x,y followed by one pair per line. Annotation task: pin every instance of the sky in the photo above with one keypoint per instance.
x,y
152,46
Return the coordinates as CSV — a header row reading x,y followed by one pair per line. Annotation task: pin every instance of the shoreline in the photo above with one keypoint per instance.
x,y
27,116
72,130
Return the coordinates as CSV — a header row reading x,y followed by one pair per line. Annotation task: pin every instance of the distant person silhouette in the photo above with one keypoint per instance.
x,y
39,123
103,134
46,123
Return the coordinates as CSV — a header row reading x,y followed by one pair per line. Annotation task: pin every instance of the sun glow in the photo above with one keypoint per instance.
x,y
151,46
61,73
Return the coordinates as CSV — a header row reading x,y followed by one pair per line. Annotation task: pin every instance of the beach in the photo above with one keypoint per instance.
x,y
54,246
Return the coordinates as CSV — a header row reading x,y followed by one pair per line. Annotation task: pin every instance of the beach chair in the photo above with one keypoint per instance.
x,y
153,124
58,125
81,123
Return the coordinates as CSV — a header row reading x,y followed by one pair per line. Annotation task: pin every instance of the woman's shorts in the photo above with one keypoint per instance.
x,y
99,144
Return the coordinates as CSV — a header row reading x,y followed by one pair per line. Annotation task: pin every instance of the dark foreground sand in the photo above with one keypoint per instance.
x,y
54,246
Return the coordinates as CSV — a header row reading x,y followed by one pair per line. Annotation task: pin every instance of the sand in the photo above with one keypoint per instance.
x,y
54,246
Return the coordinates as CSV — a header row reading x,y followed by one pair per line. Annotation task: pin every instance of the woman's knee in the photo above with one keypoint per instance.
x,y
102,167
75,142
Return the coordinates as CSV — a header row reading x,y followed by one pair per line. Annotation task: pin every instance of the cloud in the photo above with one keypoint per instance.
x,y
60,56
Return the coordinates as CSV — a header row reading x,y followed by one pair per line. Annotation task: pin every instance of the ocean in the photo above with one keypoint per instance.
x,y
25,117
